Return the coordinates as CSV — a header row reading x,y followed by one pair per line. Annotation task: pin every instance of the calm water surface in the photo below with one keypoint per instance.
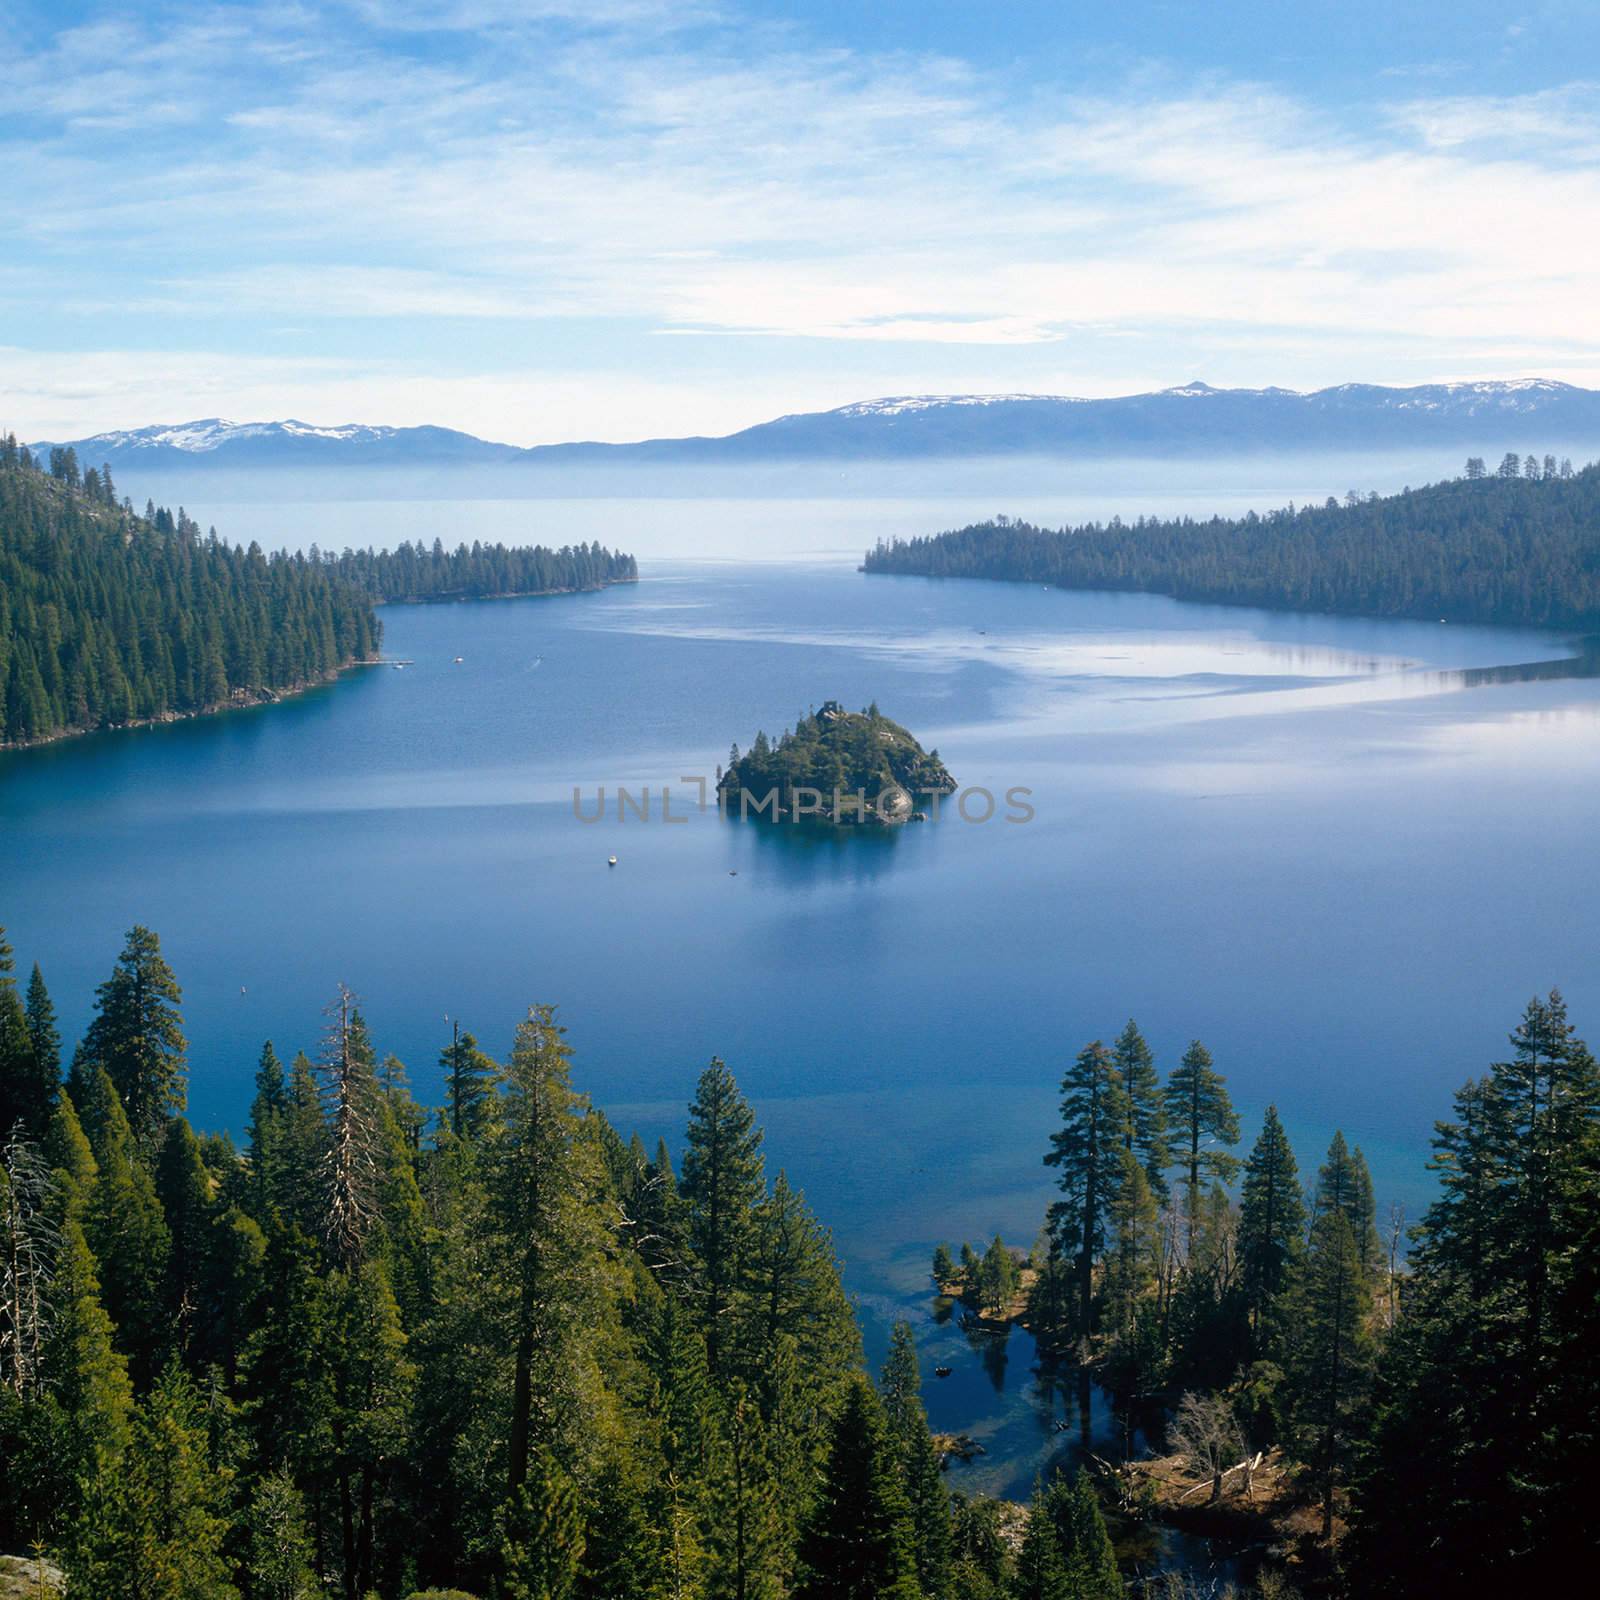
x,y
1321,845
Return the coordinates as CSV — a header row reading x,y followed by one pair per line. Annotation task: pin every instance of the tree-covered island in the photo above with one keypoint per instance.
x,y
838,767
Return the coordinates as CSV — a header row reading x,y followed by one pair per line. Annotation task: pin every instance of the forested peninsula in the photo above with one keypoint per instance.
x,y
1518,545
495,1348
110,617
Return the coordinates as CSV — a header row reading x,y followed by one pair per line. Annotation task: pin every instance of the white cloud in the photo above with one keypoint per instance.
x,y
566,162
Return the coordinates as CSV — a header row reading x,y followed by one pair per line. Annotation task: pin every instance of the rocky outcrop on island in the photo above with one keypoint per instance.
x,y
836,767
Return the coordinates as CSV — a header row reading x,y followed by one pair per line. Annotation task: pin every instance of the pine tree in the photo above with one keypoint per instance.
x,y
156,1526
542,1544
137,1038
286,1376
1200,1116
543,1181
267,1114
1132,1269
745,1524
1333,1359
304,1150
279,1563
793,1315
183,1186
1500,1497
1146,1127
1541,1104
658,1221
1085,1545
66,1148
1345,1185
1041,1572
42,1030
997,1277
1088,1151
27,1076
87,1376
1271,1235
722,1183
373,1386
900,1386
1066,1552
128,1234
982,1558
859,1541
622,1554
469,1085
675,1354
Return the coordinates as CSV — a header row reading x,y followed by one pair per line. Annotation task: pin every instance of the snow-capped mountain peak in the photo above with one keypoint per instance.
x,y
212,433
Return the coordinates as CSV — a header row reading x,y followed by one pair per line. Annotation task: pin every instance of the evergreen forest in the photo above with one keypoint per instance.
x,y
496,1348
1519,544
859,766
109,616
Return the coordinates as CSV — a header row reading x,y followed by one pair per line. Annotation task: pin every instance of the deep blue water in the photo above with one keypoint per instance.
x,y
1309,841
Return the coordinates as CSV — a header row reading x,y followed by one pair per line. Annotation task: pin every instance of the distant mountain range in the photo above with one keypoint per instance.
x,y
1191,420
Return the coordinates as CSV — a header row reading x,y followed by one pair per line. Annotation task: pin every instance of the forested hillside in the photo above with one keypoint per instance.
x,y
109,617
496,1347
1519,545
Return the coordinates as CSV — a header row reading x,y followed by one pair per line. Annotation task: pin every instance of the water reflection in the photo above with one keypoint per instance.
x,y
804,853
1028,1416
1583,663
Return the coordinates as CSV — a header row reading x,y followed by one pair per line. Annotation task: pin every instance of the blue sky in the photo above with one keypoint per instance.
x,y
546,219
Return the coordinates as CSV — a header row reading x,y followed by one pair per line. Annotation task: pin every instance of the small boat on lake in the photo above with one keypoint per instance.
x,y
611,861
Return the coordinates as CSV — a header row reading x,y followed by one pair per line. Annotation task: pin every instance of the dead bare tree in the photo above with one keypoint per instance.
x,y
1397,1228
1207,1434
29,1242
350,1098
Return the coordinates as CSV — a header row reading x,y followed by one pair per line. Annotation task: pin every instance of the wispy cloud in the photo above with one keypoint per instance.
x,y
226,176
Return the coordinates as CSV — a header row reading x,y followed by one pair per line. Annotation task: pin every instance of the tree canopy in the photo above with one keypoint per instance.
x,y
1509,547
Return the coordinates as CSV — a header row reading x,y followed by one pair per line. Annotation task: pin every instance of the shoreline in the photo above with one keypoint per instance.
x,y
1570,632
242,700
248,700
514,594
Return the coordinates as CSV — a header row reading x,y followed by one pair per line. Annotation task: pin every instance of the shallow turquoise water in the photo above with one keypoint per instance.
x,y
1312,842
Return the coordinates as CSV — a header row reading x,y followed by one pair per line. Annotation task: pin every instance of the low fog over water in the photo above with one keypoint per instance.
x,y
783,510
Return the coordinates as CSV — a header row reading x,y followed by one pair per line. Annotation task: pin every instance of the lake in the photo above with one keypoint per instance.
x,y
1335,850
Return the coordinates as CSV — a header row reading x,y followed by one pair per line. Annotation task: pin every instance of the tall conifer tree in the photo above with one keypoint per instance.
x,y
1146,1134
136,1036
722,1184
1087,1151
543,1184
1272,1224
1334,1354
901,1387
1202,1125
859,1542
